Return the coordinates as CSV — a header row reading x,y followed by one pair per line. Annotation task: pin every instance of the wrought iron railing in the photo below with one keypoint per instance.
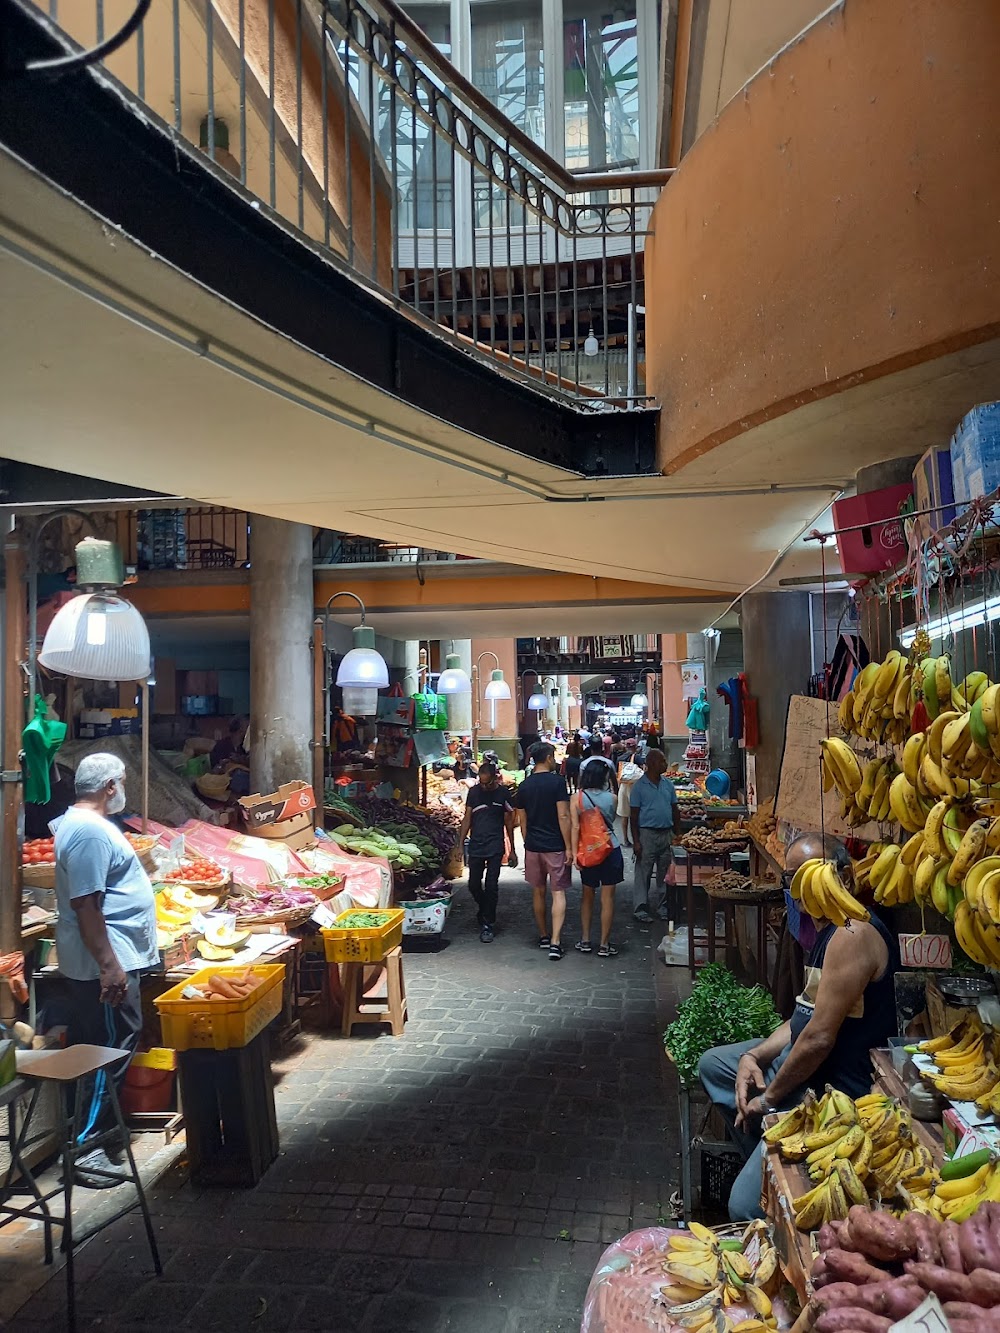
x,y
342,548
343,118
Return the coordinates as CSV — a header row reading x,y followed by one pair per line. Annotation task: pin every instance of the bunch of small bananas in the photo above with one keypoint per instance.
x,y
888,870
824,895
709,1275
879,704
871,800
964,1058
945,761
848,1147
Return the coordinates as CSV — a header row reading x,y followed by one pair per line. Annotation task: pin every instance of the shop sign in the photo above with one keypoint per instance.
x,y
932,951
692,678
612,647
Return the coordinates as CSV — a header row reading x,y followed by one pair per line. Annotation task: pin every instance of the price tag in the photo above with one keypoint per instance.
x,y
932,951
177,847
971,1142
928,1317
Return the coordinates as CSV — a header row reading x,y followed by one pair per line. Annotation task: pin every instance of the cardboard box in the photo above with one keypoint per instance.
x,y
284,828
876,540
975,454
292,798
934,489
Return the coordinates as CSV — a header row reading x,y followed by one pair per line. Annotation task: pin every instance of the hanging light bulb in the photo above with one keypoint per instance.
x,y
453,680
363,667
639,700
97,636
497,688
591,346
538,701
97,625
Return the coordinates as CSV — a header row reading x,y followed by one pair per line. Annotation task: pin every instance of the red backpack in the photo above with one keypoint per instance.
x,y
594,844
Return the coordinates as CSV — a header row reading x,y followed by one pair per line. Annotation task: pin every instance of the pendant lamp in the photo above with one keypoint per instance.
x,y
639,700
453,680
98,635
363,670
497,688
538,700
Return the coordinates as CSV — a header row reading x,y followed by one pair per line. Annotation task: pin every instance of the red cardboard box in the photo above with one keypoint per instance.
x,y
291,799
876,539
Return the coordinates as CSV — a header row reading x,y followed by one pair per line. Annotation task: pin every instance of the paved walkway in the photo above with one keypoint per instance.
x,y
464,1177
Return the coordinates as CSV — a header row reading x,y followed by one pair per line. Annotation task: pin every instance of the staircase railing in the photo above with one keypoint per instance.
x,y
344,119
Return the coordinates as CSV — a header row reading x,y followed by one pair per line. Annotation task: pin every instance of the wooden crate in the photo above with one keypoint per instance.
x,y
783,1182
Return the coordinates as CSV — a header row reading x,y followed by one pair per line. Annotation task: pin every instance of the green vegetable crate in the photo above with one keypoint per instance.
x,y
363,944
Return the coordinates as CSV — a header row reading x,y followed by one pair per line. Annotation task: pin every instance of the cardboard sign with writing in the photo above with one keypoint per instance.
x,y
800,799
925,951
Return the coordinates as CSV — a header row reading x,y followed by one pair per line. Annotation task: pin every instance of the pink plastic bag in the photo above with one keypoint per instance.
x,y
671,876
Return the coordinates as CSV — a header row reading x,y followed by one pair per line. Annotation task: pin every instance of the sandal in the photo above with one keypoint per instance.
x,y
556,951
607,951
583,946
543,941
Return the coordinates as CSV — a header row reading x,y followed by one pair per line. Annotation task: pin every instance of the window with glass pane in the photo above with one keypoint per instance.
x,y
601,84
423,161
507,65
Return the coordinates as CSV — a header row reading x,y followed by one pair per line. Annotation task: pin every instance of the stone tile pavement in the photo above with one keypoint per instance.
x,y
463,1178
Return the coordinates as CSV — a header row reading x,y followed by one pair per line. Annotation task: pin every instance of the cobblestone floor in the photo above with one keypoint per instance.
x,y
464,1177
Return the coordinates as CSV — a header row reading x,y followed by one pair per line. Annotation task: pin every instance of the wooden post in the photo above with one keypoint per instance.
x,y
11,789
319,695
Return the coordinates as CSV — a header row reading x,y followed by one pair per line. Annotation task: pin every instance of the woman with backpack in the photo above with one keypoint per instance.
x,y
598,854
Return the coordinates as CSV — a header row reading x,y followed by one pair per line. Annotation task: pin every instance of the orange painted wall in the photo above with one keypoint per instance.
x,y
674,650
838,221
506,709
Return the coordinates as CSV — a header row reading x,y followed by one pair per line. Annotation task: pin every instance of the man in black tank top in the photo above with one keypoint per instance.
x,y
846,1008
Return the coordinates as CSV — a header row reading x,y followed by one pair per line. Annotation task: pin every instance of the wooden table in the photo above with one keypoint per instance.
x,y
781,1183
721,859
889,1082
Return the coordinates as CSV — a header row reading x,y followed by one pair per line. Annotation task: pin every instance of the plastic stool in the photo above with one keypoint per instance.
x,y
73,1065
361,1008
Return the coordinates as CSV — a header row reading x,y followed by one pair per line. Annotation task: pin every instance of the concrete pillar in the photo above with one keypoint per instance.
x,y
281,673
777,661
459,705
411,666
563,683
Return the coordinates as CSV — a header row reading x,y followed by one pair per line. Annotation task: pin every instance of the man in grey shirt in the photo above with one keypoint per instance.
x,y
105,936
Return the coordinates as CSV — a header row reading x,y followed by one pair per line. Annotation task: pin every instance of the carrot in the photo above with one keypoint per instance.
x,y
222,986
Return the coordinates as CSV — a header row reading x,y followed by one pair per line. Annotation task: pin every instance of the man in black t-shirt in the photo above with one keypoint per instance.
x,y
489,816
543,811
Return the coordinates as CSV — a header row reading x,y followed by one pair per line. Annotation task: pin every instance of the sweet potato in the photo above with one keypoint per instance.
x,y
978,1244
944,1282
922,1232
951,1250
851,1319
820,1274
984,1288
826,1237
879,1235
834,1294
985,1320
846,1266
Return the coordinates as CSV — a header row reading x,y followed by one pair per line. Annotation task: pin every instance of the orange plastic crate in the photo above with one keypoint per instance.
x,y
220,1024
365,944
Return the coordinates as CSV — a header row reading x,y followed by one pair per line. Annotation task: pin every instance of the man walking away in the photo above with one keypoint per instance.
x,y
105,937
488,816
543,813
654,817
596,755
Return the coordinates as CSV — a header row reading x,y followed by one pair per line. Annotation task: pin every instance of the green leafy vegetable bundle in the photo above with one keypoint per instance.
x,y
718,1011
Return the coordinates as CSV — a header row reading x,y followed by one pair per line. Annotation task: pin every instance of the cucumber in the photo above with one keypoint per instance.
x,y
956,1168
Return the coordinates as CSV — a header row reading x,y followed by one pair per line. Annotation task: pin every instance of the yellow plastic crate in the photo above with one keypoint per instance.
x,y
220,1024
367,944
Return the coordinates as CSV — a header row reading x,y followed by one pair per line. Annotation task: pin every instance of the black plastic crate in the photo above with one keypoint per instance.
x,y
721,1163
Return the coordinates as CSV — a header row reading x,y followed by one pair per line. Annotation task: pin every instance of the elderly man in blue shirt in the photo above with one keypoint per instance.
x,y
654,818
105,936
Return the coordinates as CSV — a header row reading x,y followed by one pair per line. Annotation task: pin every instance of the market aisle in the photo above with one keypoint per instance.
x,y
464,1177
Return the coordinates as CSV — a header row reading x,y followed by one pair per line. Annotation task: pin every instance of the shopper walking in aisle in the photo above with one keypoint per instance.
x,y
654,819
595,755
629,775
488,823
574,756
542,804
594,834
105,939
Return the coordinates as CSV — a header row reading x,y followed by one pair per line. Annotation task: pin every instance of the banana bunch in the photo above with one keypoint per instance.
x,y
980,942
981,889
984,722
964,1059
824,895
908,805
849,1148
878,705
933,680
871,800
890,872
956,1200
708,1275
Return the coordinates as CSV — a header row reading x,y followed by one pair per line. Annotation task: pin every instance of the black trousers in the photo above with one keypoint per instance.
x,y
485,894
97,1024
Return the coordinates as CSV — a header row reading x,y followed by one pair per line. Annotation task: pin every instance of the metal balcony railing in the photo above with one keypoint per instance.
x,y
343,119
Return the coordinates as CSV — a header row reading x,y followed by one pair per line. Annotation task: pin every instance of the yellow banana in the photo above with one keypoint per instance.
x,y
970,849
835,896
884,864
846,768
957,1189
845,714
913,752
